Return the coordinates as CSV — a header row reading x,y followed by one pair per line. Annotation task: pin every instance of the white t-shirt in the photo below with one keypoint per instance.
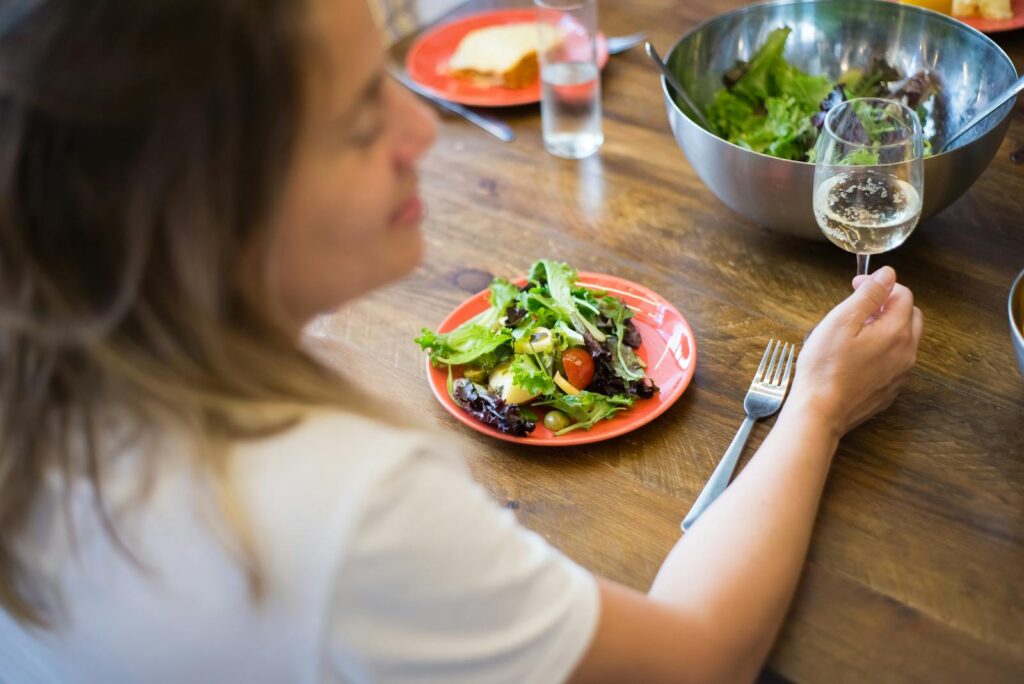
x,y
383,562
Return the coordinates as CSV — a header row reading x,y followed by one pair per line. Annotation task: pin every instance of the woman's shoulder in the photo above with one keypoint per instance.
x,y
337,434
330,465
324,449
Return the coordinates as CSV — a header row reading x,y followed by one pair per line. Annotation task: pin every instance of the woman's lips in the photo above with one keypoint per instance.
x,y
410,213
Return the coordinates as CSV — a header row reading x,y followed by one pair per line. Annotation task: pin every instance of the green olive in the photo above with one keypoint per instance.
x,y
556,420
477,375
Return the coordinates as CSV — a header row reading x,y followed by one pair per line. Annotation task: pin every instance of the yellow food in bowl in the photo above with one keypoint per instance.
x,y
944,6
986,9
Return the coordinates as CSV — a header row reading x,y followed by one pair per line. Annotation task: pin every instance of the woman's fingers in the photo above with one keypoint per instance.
x,y
871,294
899,308
917,325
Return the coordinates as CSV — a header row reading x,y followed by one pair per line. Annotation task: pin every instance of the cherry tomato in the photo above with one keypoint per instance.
x,y
579,367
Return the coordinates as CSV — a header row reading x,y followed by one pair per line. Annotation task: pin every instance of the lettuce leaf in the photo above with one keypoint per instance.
x,y
528,375
479,339
758,81
786,130
559,278
466,344
586,409
502,295
626,364
872,83
730,115
491,410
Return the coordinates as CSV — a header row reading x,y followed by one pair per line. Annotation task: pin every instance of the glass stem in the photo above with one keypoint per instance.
x,y
862,264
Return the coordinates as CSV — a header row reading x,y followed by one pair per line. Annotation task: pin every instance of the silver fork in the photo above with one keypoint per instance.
x,y
763,399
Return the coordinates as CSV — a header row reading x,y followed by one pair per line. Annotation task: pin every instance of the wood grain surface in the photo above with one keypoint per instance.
x,y
916,570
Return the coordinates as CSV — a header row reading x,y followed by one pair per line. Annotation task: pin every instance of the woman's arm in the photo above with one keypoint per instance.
x,y
721,595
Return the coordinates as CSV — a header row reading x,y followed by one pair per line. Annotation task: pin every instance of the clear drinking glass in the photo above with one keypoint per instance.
x,y
570,78
869,176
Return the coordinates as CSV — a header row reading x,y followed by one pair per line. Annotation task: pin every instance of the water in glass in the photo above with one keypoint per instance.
x,y
571,105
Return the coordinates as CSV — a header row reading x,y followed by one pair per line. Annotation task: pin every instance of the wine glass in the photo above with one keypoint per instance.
x,y
869,176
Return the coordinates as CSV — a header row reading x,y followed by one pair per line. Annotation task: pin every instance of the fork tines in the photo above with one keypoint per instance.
x,y
770,372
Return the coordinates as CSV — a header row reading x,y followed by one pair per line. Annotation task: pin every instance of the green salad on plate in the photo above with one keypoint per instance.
x,y
551,343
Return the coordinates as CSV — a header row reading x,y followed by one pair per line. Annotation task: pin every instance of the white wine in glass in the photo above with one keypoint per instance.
x,y
869,176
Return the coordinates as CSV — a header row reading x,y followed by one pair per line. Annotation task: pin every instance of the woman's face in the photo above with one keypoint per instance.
x,y
350,211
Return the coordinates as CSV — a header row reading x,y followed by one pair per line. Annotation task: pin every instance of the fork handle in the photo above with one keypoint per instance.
x,y
720,478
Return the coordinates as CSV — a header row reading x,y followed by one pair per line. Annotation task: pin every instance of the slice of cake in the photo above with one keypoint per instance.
x,y
504,55
987,9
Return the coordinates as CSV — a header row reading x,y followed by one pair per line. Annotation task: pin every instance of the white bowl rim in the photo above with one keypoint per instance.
x,y
1015,325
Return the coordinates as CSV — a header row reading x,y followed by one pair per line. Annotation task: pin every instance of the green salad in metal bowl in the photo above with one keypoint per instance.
x,y
772,107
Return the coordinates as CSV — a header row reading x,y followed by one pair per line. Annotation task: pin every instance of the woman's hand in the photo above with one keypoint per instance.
x,y
854,363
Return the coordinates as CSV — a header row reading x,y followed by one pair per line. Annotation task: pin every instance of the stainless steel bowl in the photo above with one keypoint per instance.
x,y
829,37
1016,312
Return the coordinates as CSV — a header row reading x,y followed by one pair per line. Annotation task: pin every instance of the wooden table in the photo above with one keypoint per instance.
x,y
916,570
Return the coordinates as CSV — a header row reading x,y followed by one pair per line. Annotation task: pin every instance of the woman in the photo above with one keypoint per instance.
x,y
186,496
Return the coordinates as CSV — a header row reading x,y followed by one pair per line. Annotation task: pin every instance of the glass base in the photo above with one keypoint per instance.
x,y
573,145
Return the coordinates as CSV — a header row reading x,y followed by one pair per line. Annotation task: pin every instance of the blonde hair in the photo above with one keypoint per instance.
x,y
142,145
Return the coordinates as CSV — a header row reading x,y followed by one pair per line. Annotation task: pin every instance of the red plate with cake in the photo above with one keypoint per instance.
x,y
427,62
999,25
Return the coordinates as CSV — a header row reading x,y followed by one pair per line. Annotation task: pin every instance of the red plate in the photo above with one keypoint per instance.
x,y
427,61
668,349
997,25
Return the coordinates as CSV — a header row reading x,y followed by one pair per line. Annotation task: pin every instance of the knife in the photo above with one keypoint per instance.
x,y
498,129
619,44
